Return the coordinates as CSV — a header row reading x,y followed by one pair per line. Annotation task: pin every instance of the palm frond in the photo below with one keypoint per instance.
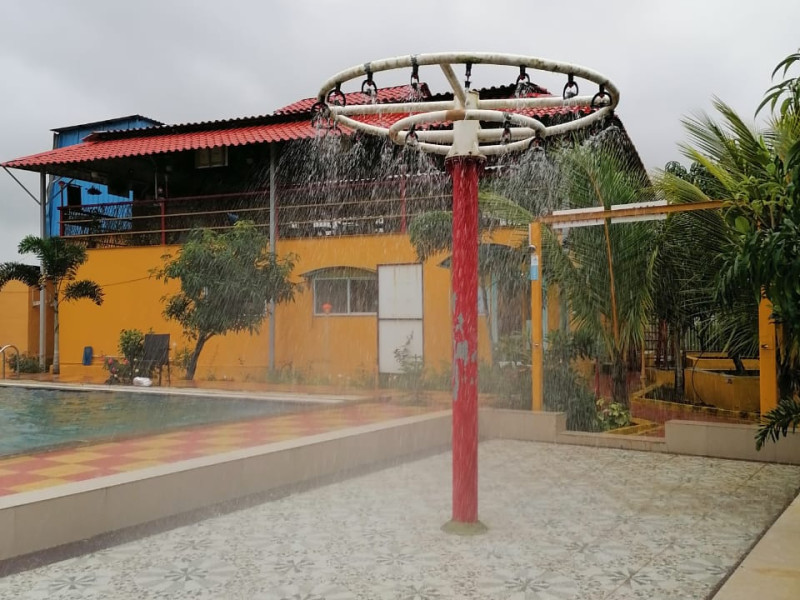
x,y
84,288
778,421
431,233
498,207
16,271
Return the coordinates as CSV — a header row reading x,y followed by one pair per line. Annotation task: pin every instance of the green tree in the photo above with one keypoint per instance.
x,y
688,264
60,261
606,272
226,281
758,174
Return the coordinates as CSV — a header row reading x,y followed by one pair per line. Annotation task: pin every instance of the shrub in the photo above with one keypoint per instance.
x,y
411,369
131,349
24,363
612,415
564,389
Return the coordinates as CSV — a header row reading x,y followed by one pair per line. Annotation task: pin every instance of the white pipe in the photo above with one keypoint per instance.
x,y
512,60
539,102
443,142
578,123
391,108
445,136
494,103
463,115
455,84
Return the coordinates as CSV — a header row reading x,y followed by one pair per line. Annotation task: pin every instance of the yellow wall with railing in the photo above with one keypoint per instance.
x,y
342,349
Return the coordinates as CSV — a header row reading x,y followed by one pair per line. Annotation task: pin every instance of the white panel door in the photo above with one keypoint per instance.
x,y
399,314
399,291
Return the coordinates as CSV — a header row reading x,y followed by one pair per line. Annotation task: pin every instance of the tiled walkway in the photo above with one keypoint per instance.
x,y
36,471
565,522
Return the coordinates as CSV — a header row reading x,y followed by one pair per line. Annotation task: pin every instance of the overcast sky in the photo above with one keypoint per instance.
x,y
64,62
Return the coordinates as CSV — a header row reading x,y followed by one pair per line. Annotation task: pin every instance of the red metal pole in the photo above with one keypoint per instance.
x,y
465,171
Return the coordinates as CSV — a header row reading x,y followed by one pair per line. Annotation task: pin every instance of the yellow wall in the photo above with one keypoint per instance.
x,y
14,310
340,348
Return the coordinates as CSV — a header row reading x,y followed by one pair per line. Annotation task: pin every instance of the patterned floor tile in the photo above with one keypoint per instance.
x,y
566,529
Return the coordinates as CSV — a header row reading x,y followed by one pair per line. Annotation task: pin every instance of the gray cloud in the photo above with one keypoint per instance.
x,y
74,61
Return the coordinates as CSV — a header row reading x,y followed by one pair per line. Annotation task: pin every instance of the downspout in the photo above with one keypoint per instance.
x,y
273,155
43,286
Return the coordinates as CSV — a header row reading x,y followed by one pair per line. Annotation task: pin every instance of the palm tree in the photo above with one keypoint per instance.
x,y
59,262
758,175
688,264
606,273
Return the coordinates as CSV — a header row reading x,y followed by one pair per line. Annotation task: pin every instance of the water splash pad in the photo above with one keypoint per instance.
x,y
467,130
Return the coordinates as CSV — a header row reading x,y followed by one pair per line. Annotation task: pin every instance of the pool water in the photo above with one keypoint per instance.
x,y
37,419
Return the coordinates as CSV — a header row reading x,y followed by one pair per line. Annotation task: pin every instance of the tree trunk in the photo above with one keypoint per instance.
x,y
677,356
192,366
56,353
489,319
619,381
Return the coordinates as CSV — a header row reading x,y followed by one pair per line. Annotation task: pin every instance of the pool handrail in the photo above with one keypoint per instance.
x,y
3,353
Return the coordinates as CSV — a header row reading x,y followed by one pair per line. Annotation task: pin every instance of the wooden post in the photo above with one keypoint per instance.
x,y
537,334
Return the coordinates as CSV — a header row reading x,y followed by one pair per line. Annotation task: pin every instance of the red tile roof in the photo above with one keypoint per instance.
x,y
400,93
172,142
234,132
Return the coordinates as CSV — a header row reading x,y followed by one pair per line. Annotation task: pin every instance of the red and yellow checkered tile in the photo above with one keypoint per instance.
x,y
36,471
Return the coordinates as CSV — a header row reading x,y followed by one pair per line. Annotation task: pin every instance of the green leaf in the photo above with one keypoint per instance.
x,y
742,225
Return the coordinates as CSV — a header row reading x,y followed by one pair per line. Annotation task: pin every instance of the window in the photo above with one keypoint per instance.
x,y
206,158
345,291
74,195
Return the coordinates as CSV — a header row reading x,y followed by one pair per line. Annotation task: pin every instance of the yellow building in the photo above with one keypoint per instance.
x,y
341,205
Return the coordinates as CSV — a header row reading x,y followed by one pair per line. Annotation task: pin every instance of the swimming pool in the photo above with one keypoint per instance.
x,y
33,419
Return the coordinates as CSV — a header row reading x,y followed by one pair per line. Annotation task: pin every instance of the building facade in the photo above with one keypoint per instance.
x,y
339,203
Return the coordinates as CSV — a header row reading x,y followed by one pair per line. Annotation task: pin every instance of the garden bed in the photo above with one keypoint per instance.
x,y
659,403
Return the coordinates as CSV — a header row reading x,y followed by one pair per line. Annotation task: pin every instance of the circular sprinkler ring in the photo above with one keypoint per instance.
x,y
467,107
466,146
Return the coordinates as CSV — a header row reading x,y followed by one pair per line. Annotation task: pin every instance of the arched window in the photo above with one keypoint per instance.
x,y
344,291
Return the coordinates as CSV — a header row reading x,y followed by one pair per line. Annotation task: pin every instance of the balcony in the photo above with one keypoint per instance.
x,y
369,207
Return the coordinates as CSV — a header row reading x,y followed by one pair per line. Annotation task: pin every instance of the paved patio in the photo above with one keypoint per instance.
x,y
565,522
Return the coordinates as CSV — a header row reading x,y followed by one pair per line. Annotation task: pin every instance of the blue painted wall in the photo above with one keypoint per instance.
x,y
69,136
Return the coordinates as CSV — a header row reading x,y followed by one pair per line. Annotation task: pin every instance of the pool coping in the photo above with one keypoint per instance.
x,y
299,397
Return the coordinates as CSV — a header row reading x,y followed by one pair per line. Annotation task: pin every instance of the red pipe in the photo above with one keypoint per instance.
x,y
465,171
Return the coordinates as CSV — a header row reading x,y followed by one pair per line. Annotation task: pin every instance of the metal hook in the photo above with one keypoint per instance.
x,y
524,86
414,72
411,137
570,88
321,117
336,96
368,86
601,98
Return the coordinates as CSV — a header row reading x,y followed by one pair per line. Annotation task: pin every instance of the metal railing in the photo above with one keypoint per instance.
x,y
310,210
3,355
